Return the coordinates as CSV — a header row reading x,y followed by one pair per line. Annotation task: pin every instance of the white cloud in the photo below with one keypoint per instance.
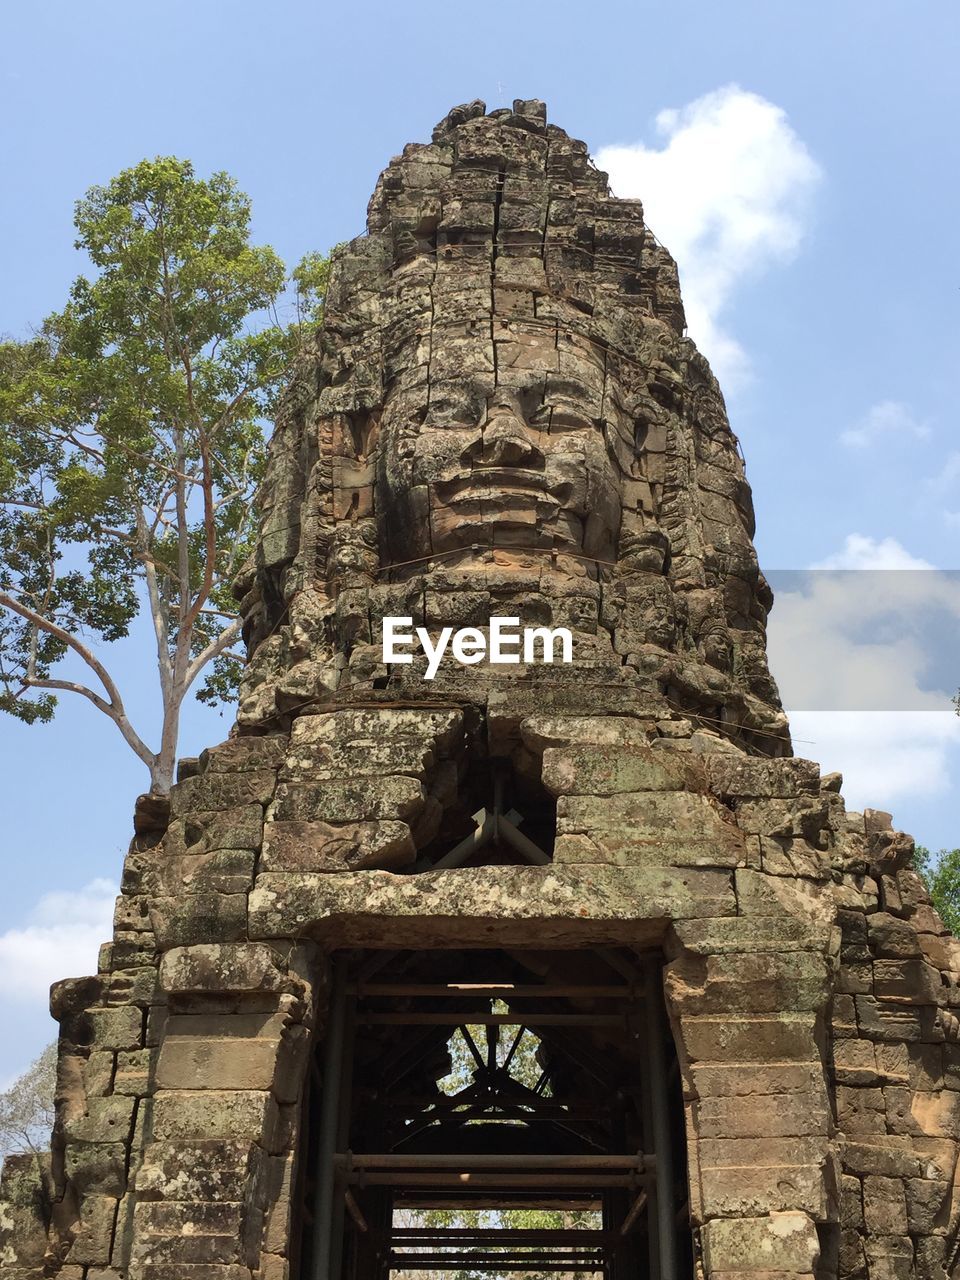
x,y
884,756
59,939
728,194
860,552
857,655
948,477
888,418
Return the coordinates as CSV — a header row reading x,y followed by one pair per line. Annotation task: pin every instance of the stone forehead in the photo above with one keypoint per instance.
x,y
500,217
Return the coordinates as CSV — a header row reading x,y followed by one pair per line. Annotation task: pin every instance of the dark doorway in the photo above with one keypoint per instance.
x,y
495,1113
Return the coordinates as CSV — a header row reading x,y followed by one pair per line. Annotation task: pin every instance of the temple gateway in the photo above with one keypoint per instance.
x,y
529,968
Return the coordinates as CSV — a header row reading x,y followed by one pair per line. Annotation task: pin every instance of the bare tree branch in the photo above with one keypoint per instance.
x,y
115,708
223,641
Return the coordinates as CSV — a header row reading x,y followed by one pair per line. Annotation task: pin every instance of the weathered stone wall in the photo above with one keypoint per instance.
x,y
810,985
811,988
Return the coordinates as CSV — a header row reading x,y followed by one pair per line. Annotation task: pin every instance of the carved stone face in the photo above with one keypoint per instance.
x,y
529,458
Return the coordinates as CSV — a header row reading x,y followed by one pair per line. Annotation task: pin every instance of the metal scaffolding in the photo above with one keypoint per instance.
x,y
593,1133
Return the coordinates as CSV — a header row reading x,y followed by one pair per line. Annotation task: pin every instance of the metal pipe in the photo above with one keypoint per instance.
x,y
470,1017
501,1262
419,1161
356,1213
660,1117
477,838
635,1211
342,1141
422,1262
585,1237
523,844
466,1181
490,990
329,1116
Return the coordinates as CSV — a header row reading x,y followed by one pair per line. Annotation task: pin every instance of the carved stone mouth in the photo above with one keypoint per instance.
x,y
512,479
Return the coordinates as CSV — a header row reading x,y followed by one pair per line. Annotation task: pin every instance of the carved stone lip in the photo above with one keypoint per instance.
x,y
517,479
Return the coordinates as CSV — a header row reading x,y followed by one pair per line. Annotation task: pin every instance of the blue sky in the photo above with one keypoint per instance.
x,y
800,161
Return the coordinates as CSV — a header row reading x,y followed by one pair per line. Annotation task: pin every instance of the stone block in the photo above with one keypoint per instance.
x,y
93,1240
852,1260
891,938
213,790
105,1120
891,1020
855,1062
97,1168
134,1072
265,1023
934,1115
544,730
738,775
216,968
177,1231
199,832
760,1080
215,1170
98,1073
861,1111
357,799
361,726
785,856
188,1271
203,1062
198,919
758,1115
241,755
670,828
884,1157
334,759
889,1257
722,1039
223,871
928,1205
185,1115
481,906
765,895
851,1202
752,1189
776,1242
742,935
280,1174
908,980
758,982
104,1029
583,771
274,1267
324,846
802,818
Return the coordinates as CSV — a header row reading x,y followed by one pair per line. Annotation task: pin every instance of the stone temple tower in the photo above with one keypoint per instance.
x,y
739,1006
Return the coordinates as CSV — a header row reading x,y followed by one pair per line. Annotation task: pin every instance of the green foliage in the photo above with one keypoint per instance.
x,y
941,875
132,441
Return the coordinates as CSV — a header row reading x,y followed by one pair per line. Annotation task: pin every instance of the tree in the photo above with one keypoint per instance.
x,y
131,444
941,875
26,1108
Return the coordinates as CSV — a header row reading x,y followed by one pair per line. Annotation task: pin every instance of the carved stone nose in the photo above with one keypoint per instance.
x,y
505,441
